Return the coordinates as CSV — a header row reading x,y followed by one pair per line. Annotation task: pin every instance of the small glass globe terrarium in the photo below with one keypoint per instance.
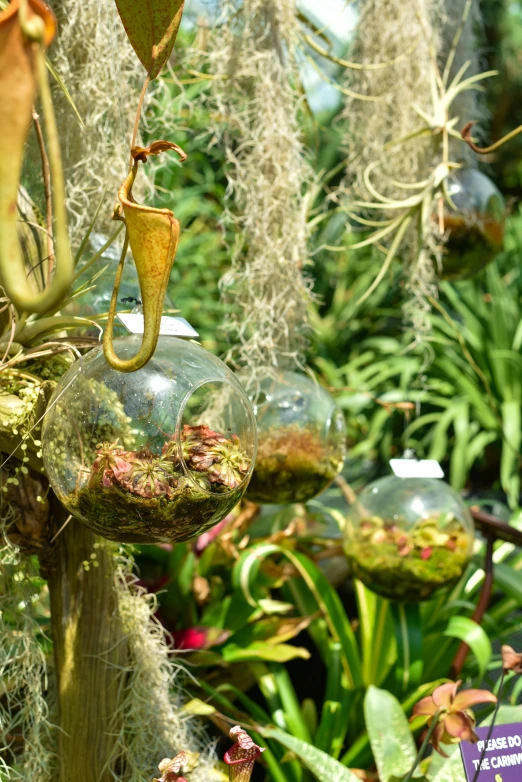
x,y
301,434
406,538
156,455
475,227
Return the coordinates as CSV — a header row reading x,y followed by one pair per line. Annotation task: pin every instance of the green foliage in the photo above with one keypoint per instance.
x,y
253,619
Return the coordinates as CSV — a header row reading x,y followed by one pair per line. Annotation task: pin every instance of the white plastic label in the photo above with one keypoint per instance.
x,y
413,468
171,327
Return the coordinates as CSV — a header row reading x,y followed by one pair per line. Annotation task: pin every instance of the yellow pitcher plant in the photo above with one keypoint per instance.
x,y
26,29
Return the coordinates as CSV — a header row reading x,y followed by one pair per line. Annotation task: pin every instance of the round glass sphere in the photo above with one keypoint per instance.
x,y
157,455
406,538
301,434
476,226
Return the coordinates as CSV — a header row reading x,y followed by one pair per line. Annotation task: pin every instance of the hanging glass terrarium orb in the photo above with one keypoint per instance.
x,y
301,434
157,455
406,538
475,226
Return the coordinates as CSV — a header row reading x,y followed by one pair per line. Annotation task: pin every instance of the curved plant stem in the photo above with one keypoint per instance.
x,y
357,65
423,747
46,175
466,135
389,258
138,115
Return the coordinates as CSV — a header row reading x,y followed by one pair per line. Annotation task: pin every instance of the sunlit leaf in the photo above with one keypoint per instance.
x,y
324,768
152,27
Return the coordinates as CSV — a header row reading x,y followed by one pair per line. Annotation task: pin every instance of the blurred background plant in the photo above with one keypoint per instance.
x,y
259,603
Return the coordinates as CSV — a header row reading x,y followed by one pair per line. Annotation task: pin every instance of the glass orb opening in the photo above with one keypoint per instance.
x,y
301,440
157,455
407,538
476,226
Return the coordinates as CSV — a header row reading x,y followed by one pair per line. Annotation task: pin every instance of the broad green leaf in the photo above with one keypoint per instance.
x,y
389,732
507,715
450,770
327,599
324,768
474,636
152,27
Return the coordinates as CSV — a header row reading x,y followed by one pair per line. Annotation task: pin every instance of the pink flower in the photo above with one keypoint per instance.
x,y
242,756
451,709
206,539
426,552
196,638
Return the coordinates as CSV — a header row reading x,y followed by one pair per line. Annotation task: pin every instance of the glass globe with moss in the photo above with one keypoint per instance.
x,y
301,433
475,226
153,456
407,538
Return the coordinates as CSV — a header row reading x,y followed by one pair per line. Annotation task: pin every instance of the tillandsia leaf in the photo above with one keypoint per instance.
x,y
153,235
242,756
26,29
152,27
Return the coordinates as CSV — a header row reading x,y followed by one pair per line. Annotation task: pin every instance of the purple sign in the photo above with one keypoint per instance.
x,y
502,761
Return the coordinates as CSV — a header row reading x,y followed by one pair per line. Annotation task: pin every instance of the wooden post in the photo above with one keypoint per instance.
x,y
89,651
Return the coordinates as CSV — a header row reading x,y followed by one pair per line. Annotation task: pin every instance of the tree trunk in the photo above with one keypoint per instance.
x,y
89,651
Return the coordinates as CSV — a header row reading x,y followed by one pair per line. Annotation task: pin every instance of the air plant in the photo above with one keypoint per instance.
x,y
404,112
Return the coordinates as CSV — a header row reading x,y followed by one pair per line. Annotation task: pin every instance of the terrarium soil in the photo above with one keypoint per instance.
x,y
127,518
292,465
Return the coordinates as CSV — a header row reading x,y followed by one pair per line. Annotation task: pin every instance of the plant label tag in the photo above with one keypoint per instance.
x,y
502,761
416,468
170,327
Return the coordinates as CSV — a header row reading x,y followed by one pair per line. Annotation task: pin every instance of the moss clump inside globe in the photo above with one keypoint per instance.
x,y
157,455
151,494
419,542
301,439
292,465
475,226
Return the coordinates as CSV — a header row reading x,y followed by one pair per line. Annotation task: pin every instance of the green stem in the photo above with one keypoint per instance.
x,y
423,747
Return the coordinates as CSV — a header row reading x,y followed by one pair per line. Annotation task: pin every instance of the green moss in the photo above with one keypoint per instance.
x,y
404,566
118,515
145,497
292,465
